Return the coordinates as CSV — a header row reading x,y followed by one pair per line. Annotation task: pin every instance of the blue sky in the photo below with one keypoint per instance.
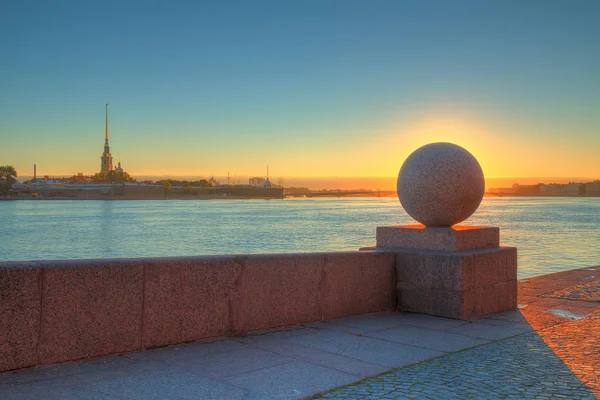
x,y
314,88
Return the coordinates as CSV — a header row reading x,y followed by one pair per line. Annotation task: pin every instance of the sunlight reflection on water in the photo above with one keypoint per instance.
x,y
552,234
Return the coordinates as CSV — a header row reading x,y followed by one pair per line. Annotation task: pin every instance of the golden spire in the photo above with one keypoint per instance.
x,y
106,134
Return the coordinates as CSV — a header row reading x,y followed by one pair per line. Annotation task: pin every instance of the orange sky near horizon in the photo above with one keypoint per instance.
x,y
369,152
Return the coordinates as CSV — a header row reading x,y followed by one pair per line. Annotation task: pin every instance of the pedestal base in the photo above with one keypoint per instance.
x,y
458,272
461,285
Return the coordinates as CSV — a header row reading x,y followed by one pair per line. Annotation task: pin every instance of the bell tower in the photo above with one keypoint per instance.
x,y
106,158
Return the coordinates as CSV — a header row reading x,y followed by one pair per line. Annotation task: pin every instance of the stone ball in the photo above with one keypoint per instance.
x,y
440,184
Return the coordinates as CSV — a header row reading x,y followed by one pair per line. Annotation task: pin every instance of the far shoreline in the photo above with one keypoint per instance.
x,y
542,195
285,197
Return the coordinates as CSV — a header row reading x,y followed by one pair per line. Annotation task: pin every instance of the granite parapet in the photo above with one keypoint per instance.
x,y
90,309
54,311
20,310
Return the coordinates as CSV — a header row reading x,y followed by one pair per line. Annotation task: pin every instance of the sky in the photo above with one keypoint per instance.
x,y
317,88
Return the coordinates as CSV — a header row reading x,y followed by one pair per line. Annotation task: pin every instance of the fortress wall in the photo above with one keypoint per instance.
x,y
113,192
54,311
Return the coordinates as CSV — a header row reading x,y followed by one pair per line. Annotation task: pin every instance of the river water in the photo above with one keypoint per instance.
x,y
552,234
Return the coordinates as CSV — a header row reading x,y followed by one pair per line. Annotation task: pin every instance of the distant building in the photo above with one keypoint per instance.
x,y
503,190
119,170
267,183
592,188
553,189
517,189
527,189
80,178
573,189
256,182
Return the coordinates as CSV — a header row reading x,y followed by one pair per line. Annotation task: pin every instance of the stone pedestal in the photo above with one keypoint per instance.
x,y
457,272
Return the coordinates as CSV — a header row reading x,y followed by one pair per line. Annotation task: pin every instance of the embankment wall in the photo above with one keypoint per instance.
x,y
54,311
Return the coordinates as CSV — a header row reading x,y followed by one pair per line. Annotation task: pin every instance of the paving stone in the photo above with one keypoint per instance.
x,y
366,349
131,386
348,365
325,325
230,363
430,322
283,333
371,322
189,350
89,376
294,380
431,339
39,390
53,371
177,385
510,316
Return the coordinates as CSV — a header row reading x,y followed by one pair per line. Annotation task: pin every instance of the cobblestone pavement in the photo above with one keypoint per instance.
x,y
560,359
588,291
577,343
522,367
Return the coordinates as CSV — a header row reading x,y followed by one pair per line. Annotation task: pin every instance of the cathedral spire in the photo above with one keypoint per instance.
x,y
106,133
106,158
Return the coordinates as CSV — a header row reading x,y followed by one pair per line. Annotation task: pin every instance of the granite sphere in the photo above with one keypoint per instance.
x,y
440,184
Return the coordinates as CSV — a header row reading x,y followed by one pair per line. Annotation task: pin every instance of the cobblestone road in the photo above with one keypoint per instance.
x,y
522,368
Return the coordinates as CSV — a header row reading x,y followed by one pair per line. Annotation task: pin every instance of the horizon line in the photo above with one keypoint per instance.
x,y
318,177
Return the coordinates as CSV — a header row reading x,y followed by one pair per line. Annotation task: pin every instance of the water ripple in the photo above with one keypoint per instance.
x,y
552,234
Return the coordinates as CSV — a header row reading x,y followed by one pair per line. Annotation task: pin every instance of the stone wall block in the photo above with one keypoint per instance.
x,y
20,304
425,300
279,290
485,300
357,283
90,308
187,299
494,267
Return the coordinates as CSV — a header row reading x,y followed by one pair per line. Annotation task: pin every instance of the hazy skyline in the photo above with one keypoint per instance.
x,y
314,88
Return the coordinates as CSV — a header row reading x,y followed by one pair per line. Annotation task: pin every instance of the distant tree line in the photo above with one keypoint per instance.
x,y
8,176
112,176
